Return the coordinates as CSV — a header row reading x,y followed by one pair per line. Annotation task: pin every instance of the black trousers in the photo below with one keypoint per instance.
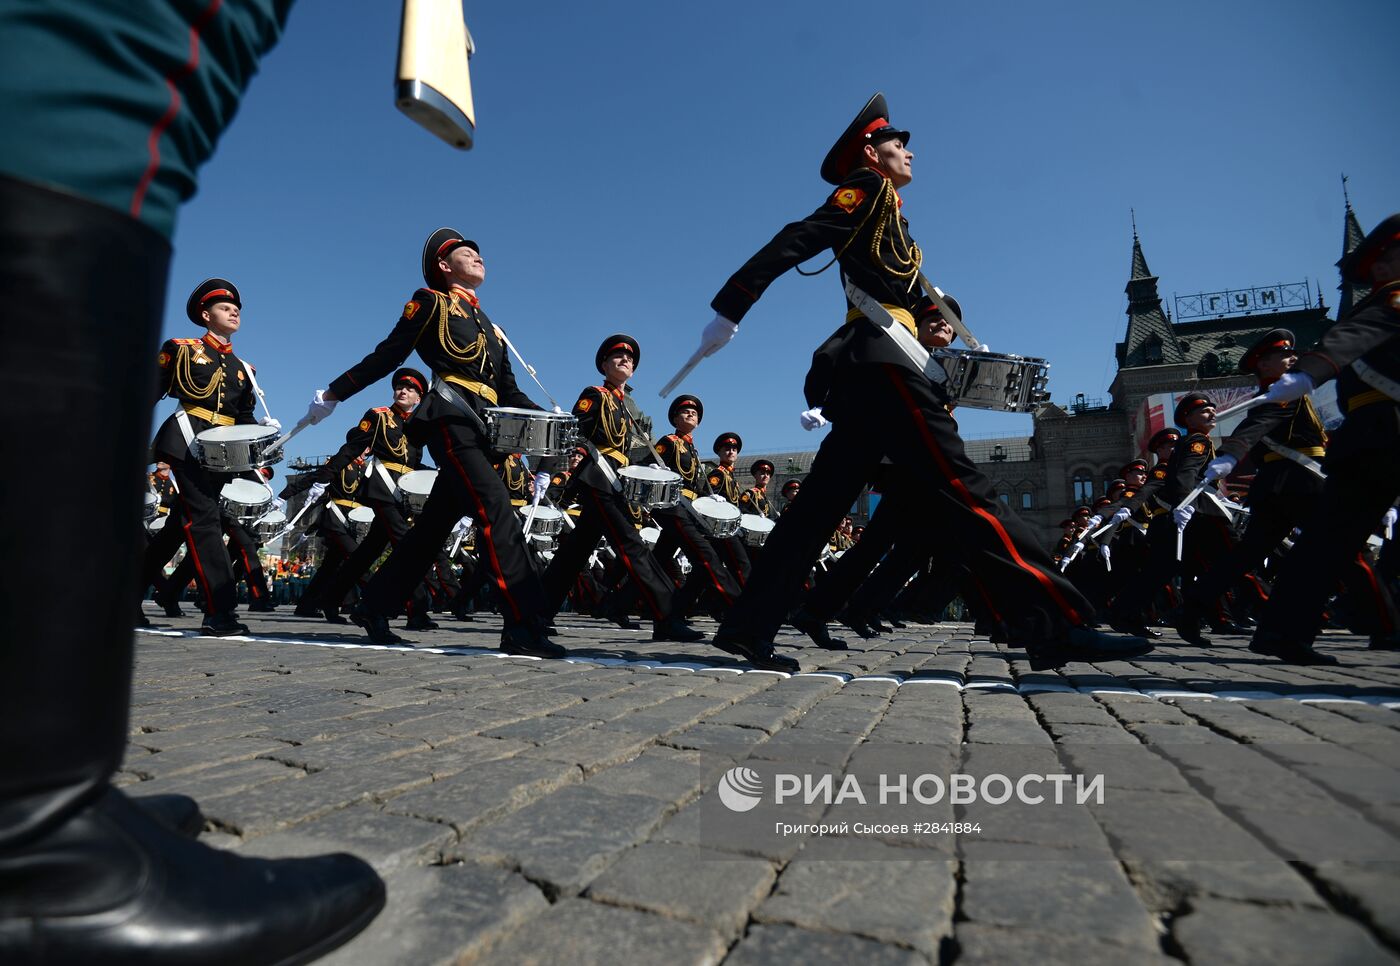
x,y
467,485
605,514
681,531
202,525
86,285
904,418
1273,516
243,554
858,563
337,545
1358,490
389,528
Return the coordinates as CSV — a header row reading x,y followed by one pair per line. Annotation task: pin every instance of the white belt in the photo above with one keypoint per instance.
x,y
1376,379
384,475
339,514
1303,460
182,419
919,357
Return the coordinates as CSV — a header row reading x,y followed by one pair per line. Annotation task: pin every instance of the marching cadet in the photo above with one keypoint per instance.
x,y
1362,352
445,324
381,433
882,404
516,478
214,388
1196,414
607,428
163,487
679,528
341,489
789,493
732,550
755,498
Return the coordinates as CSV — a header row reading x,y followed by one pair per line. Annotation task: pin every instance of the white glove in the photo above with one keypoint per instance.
x,y
460,530
717,334
1388,522
718,497
557,410
1182,515
1119,515
278,503
1219,467
274,423
983,348
1105,553
320,407
1093,522
812,419
314,494
541,484
1290,386
1064,563
1076,550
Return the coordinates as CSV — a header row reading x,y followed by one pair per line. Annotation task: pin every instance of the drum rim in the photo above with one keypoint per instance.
x,y
237,433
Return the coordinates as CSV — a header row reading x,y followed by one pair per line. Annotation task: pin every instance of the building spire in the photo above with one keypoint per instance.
x,y
1352,235
1150,339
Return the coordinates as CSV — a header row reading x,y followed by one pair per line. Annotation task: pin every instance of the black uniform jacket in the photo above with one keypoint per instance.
x,y
1370,333
210,384
1294,425
679,455
861,224
1185,468
382,431
454,338
722,482
754,500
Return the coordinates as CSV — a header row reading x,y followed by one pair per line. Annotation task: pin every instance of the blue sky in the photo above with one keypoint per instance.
x,y
630,156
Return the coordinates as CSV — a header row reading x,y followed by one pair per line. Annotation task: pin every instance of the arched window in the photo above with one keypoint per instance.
x,y
1026,500
1083,488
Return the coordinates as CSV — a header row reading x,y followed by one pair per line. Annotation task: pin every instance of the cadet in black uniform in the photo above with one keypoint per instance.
x,y
679,528
732,550
1362,352
755,498
342,490
213,389
881,406
607,428
380,431
445,324
1196,414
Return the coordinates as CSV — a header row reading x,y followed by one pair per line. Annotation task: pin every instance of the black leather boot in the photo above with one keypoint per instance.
x,y
527,640
676,629
375,625
222,625
1287,650
111,885
758,653
179,813
815,628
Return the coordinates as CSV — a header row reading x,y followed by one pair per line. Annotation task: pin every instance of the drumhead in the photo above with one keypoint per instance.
x,y
542,513
223,434
156,524
361,514
517,411
245,492
652,474
716,509
756,524
273,518
650,535
418,482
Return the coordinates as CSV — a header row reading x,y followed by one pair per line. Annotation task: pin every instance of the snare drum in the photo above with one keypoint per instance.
x,y
359,520
719,517
151,508
245,500
156,525
414,488
756,528
531,431
269,525
236,449
548,521
649,535
650,486
990,380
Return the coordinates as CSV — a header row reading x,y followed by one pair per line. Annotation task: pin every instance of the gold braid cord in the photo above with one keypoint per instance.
x,y
458,353
612,421
184,377
399,452
905,256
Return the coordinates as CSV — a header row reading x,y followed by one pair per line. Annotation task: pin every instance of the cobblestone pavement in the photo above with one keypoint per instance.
x,y
527,811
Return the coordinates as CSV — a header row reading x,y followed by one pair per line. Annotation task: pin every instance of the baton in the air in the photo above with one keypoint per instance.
x,y
685,370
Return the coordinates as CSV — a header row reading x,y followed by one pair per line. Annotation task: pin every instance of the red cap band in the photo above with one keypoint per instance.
x,y
217,293
448,244
852,151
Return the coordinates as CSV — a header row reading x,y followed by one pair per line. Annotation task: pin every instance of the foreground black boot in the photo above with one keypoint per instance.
x,y
1287,650
263,605
675,628
526,640
111,885
179,813
758,653
168,602
1085,643
222,625
1188,625
332,615
376,626
858,623
815,628
420,622
306,609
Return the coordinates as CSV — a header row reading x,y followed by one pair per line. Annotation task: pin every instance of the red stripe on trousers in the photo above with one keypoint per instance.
x,y
172,81
485,528
1382,614
616,540
198,567
714,578
966,496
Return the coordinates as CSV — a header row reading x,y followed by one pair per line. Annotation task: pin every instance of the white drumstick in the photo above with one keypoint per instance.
x,y
281,441
685,370
1249,403
1190,499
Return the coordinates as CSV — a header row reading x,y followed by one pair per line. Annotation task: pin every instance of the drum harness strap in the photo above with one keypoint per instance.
x,y
919,357
1376,379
